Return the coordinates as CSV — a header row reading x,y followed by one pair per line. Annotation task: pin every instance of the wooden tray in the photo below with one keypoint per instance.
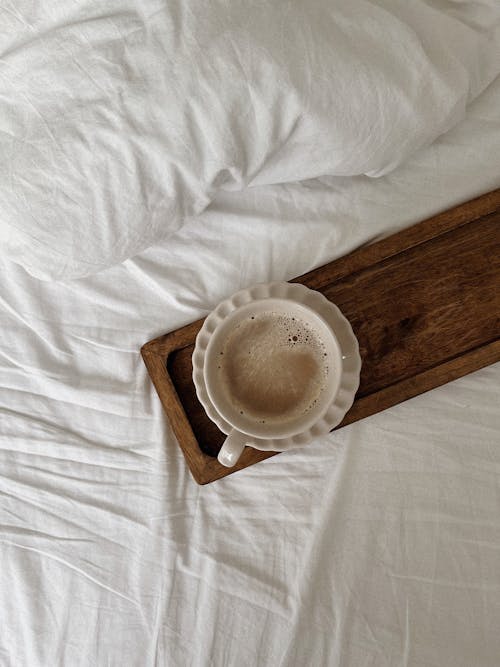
x,y
423,303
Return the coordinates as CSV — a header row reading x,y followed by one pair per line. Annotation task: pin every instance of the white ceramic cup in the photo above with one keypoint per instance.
x,y
245,430
336,399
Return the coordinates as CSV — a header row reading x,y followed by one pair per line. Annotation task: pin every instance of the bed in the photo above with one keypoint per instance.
x,y
376,545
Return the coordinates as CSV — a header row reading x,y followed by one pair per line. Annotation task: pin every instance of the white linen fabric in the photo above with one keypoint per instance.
x,y
120,119
377,545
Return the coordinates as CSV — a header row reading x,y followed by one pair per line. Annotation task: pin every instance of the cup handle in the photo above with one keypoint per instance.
x,y
233,447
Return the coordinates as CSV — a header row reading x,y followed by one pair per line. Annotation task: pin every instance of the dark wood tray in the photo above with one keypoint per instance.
x,y
423,303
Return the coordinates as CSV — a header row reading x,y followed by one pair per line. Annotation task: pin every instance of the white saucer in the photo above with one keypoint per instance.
x,y
351,360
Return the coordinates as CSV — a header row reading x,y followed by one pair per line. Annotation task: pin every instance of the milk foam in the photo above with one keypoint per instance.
x,y
273,367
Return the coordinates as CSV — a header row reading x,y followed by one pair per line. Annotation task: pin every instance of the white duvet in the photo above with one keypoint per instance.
x,y
121,119
377,545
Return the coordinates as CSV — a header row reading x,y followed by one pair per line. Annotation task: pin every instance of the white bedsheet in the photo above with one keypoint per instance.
x,y
119,119
378,545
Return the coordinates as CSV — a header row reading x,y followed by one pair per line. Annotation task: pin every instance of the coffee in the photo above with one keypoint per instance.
x,y
272,367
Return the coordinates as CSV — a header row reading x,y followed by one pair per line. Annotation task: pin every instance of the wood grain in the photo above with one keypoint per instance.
x,y
424,305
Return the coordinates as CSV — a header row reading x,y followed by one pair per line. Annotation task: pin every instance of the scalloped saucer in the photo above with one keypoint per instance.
x,y
351,360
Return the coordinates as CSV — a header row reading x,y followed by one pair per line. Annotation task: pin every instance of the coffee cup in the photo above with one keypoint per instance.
x,y
269,370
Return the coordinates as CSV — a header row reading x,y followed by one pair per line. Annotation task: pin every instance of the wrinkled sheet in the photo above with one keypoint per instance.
x,y
377,545
120,119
